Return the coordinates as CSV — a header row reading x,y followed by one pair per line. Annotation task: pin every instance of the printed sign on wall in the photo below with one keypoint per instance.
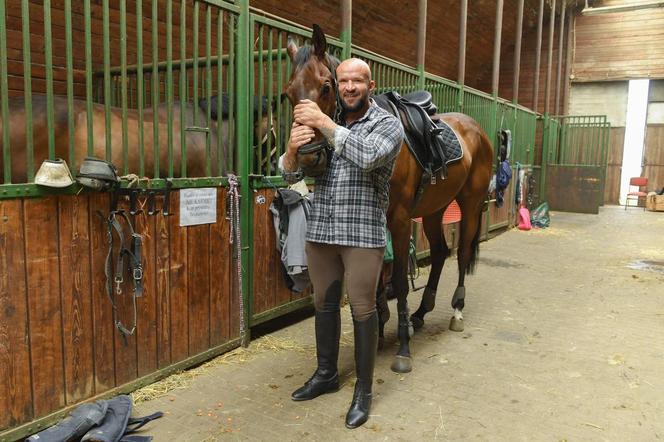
x,y
198,206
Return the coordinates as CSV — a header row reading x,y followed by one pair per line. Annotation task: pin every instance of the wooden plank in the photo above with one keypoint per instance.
x,y
77,317
163,290
103,328
263,256
220,273
15,388
198,276
179,305
44,304
573,189
146,329
125,349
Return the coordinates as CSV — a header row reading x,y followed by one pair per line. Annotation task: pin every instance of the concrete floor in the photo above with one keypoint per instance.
x,y
562,341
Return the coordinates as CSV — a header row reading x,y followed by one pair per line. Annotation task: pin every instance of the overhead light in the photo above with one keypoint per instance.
x,y
621,8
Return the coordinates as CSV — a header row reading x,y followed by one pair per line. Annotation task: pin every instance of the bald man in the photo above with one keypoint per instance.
x,y
346,231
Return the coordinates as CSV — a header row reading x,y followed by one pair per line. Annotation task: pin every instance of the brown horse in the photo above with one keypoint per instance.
x,y
467,181
195,139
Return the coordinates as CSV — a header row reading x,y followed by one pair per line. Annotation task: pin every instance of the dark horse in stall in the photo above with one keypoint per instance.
x,y
195,139
467,181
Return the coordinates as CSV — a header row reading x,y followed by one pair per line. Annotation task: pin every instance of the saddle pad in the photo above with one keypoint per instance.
x,y
450,142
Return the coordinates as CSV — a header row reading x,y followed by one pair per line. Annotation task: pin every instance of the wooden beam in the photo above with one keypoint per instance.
x,y
560,57
346,26
538,53
421,31
463,20
517,52
547,87
568,63
496,47
622,8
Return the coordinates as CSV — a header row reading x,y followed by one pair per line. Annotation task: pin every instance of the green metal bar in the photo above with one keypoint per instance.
x,y
107,78
280,83
48,55
155,85
287,105
220,88
270,93
255,144
140,94
208,88
88,75
27,90
183,88
233,142
169,85
243,129
4,94
195,54
123,84
70,85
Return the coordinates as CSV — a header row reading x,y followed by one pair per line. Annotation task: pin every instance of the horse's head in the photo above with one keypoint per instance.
x,y
313,78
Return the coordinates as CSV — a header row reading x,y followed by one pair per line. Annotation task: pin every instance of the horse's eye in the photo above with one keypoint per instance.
x,y
325,89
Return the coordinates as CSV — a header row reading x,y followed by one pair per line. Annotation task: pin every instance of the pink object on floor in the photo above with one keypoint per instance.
x,y
524,219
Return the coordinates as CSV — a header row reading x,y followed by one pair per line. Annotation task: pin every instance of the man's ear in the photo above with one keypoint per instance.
x,y
372,85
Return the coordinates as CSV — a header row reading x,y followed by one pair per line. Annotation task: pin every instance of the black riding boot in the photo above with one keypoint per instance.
x,y
366,339
326,377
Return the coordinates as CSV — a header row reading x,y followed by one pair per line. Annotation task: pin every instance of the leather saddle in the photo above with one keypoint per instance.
x,y
432,142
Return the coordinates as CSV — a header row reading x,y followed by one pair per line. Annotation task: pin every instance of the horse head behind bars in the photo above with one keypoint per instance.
x,y
467,181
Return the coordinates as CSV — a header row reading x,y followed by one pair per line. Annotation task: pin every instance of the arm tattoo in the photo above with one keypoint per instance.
x,y
328,133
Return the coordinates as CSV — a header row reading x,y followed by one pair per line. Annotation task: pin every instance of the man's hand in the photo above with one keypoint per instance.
x,y
299,136
308,113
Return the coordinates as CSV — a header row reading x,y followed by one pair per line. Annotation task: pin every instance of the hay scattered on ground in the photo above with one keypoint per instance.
x,y
183,379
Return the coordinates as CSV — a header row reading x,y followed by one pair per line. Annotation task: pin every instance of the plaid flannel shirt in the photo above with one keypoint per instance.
x,y
352,196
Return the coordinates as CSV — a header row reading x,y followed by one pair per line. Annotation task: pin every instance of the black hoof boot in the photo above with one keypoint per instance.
x,y
318,384
358,413
326,377
366,338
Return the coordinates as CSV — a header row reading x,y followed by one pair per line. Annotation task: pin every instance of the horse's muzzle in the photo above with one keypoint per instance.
x,y
314,158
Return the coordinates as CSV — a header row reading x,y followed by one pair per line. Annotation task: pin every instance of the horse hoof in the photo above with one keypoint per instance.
x,y
381,342
417,322
456,324
402,364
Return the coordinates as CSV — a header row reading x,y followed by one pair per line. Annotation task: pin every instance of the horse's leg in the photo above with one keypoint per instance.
x,y
439,252
382,308
400,240
469,238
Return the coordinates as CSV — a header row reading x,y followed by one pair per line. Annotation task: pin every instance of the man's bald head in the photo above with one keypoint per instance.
x,y
355,65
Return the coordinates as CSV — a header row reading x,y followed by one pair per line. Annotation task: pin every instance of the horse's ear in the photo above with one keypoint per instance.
x,y
320,43
291,48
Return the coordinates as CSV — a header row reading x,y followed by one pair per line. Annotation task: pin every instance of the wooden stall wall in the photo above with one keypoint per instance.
x,y
619,46
653,157
614,165
269,284
58,343
399,20
527,67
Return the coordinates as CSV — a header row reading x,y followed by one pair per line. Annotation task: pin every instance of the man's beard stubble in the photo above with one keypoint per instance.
x,y
364,99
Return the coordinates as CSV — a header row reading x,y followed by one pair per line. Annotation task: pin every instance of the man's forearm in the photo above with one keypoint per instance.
x,y
290,163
